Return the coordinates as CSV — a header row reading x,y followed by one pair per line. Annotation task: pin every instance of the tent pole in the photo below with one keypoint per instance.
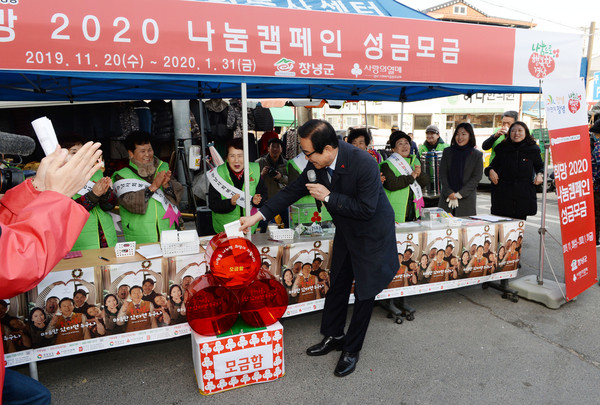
x,y
401,126
366,120
204,146
246,146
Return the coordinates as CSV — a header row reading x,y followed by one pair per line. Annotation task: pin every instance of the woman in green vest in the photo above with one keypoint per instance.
x,y
98,198
148,196
227,186
402,178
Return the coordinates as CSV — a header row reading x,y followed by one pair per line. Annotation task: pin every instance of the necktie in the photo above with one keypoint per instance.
x,y
330,171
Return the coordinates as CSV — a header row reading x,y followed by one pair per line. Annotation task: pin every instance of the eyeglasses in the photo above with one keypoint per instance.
x,y
308,154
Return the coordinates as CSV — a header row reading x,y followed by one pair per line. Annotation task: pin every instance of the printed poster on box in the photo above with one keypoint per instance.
x,y
69,304
439,261
305,275
409,253
479,254
13,321
510,242
141,293
234,361
183,270
270,259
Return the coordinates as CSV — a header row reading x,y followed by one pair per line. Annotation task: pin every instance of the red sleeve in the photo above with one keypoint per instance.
x,y
35,239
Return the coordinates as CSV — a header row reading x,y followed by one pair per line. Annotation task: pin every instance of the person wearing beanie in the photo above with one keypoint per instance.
x,y
433,142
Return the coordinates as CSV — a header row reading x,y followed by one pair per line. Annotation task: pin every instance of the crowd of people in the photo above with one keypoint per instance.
x,y
148,198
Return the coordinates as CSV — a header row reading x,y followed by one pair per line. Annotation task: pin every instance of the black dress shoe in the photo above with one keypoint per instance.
x,y
328,344
346,364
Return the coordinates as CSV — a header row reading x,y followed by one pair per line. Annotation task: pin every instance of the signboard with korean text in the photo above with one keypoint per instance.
x,y
216,40
569,140
224,363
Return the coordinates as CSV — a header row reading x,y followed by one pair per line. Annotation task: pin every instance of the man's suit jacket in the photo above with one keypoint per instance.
x,y
362,214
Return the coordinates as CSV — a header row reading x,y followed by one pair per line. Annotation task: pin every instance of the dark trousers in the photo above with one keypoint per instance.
x,y
336,308
20,390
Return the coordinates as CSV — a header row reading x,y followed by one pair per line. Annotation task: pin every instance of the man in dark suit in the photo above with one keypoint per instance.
x,y
364,246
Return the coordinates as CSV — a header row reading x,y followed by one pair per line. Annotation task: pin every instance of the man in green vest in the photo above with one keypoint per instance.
x,y
508,118
98,198
433,142
148,196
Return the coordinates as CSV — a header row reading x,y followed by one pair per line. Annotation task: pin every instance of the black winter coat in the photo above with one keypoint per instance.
x,y
516,165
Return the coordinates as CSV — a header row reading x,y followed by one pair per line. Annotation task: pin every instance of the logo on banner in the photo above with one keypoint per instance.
x,y
356,70
285,67
541,62
574,102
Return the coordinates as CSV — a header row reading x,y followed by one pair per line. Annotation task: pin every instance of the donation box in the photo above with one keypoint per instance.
x,y
224,363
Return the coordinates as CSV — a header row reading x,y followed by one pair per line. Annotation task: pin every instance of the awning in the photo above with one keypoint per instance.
x,y
282,116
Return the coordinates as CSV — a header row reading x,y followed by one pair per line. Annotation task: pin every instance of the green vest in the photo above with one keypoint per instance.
x,y
399,198
496,142
440,146
219,220
89,238
306,205
143,228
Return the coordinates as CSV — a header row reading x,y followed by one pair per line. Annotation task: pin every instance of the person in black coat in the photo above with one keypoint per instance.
x,y
364,246
515,171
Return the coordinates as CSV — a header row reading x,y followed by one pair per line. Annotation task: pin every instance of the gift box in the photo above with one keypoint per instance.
x,y
222,363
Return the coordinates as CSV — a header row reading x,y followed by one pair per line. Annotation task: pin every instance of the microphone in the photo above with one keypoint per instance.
x,y
312,177
11,144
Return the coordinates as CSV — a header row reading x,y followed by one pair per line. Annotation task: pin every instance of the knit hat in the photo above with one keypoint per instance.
x,y
432,128
397,135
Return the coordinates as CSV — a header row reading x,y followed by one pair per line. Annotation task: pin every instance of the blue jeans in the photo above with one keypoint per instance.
x,y
21,390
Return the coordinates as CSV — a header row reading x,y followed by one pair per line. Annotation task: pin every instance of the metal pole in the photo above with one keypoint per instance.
x,y
542,230
203,139
590,51
366,119
33,370
246,146
401,126
181,124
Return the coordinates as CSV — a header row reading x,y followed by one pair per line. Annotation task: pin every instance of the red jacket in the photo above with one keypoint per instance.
x,y
36,232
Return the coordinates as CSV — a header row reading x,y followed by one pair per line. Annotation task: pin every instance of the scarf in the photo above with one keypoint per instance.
x,y
457,166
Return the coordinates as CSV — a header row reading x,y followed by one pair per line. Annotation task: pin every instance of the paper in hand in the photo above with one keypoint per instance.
x,y
45,134
232,229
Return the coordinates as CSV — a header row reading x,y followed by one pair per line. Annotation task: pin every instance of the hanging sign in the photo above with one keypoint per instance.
x,y
570,144
204,38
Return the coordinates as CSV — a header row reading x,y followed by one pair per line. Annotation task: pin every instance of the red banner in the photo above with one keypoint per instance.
x,y
186,37
570,144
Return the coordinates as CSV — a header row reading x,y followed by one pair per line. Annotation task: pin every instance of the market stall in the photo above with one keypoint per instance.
x,y
198,50
434,256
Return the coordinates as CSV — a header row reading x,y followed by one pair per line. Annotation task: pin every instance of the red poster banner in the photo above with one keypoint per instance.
x,y
570,145
187,37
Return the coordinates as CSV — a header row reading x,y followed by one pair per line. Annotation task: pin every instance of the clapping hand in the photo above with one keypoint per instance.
x,y
101,186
